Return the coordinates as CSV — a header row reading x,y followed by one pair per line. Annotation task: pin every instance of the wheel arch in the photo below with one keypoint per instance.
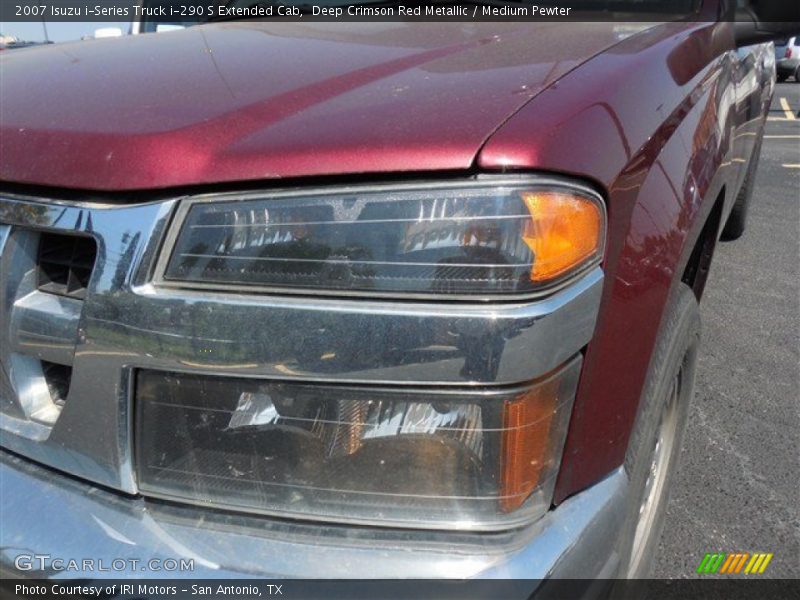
x,y
695,273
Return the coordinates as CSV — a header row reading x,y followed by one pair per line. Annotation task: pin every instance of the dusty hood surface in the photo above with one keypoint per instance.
x,y
253,100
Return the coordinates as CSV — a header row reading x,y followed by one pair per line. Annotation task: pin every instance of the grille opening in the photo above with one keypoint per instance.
x,y
65,264
57,378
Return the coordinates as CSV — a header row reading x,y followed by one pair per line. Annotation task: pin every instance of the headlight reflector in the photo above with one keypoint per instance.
x,y
459,240
446,458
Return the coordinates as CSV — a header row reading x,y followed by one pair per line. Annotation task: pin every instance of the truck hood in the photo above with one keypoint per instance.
x,y
258,100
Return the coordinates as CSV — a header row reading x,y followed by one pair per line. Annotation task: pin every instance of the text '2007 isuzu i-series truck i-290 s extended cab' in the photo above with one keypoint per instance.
x,y
411,300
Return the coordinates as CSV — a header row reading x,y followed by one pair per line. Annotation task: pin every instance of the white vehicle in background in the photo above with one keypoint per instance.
x,y
787,57
145,25
138,27
107,32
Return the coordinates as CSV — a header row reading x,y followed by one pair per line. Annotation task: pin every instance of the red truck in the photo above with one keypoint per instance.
x,y
362,300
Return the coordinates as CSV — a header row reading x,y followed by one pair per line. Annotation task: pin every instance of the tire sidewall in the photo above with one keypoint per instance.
x,y
676,348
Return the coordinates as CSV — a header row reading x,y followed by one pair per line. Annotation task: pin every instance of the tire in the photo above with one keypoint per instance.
x,y
652,455
737,220
797,75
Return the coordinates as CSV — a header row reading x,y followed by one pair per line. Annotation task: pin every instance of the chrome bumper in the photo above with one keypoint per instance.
x,y
49,514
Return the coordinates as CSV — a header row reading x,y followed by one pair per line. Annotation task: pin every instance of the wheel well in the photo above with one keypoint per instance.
x,y
696,272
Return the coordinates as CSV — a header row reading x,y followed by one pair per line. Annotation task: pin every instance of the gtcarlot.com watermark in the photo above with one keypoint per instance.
x,y
49,563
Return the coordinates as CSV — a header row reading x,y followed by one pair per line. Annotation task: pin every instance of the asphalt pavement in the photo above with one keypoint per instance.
x,y
738,484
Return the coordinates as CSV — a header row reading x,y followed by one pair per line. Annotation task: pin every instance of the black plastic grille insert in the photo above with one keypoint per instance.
x,y
65,264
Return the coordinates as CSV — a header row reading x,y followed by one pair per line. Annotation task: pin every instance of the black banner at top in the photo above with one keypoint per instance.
x,y
190,12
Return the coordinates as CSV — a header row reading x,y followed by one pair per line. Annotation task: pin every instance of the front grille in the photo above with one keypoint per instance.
x,y
67,342
65,264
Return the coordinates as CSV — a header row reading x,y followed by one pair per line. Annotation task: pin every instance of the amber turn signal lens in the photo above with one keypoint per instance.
x,y
527,445
565,231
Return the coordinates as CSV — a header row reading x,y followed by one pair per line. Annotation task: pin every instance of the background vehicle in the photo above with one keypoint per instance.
x,y
16,45
787,57
406,299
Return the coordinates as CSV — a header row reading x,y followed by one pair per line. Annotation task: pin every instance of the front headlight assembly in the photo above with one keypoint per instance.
x,y
477,241
472,458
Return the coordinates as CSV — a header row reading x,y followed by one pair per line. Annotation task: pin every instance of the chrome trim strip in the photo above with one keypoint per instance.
x,y
576,539
354,341
4,231
46,326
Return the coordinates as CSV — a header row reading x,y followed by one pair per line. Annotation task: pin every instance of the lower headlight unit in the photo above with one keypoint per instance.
x,y
439,458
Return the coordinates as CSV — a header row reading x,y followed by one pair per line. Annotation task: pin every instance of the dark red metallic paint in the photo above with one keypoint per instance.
x,y
253,100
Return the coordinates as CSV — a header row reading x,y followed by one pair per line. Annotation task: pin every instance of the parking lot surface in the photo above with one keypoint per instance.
x,y
738,484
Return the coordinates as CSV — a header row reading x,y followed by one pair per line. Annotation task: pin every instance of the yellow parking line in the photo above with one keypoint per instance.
x,y
781,137
791,166
787,110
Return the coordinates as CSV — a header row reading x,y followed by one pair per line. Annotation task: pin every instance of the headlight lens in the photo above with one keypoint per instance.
x,y
485,239
456,459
